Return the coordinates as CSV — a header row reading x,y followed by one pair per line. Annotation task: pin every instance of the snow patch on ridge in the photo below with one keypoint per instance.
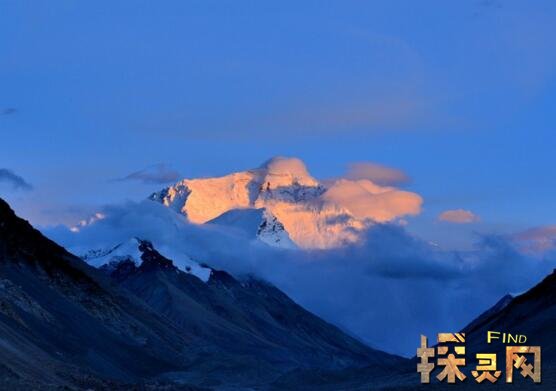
x,y
129,251
126,251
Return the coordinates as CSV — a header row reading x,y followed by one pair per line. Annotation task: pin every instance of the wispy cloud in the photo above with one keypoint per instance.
x,y
458,216
157,174
377,173
16,181
8,111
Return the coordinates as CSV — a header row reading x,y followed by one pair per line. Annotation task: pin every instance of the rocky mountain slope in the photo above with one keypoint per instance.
x,y
64,323
254,332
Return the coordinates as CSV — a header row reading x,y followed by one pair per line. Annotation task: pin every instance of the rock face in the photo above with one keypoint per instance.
x,y
64,323
314,215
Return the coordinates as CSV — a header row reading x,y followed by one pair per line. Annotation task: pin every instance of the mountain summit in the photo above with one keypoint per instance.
x,y
314,214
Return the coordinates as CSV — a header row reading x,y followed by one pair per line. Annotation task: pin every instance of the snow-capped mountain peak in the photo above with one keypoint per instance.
x,y
204,199
310,213
284,172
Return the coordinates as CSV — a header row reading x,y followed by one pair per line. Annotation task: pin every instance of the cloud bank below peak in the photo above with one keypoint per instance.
x,y
352,286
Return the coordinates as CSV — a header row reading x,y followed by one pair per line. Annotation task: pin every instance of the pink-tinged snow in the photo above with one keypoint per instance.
x,y
314,215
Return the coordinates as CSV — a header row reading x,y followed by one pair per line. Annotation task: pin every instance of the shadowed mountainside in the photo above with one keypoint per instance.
x,y
256,332
63,324
66,324
532,314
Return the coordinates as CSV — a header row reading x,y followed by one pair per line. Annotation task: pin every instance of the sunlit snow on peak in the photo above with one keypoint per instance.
x,y
313,214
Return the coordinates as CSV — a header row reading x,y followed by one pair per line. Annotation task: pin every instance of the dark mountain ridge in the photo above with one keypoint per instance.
x,y
63,324
66,324
246,318
532,314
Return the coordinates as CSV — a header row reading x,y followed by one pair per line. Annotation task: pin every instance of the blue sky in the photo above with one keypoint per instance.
x,y
459,96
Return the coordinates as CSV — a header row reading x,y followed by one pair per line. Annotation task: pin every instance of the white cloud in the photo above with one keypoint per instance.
x,y
287,166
